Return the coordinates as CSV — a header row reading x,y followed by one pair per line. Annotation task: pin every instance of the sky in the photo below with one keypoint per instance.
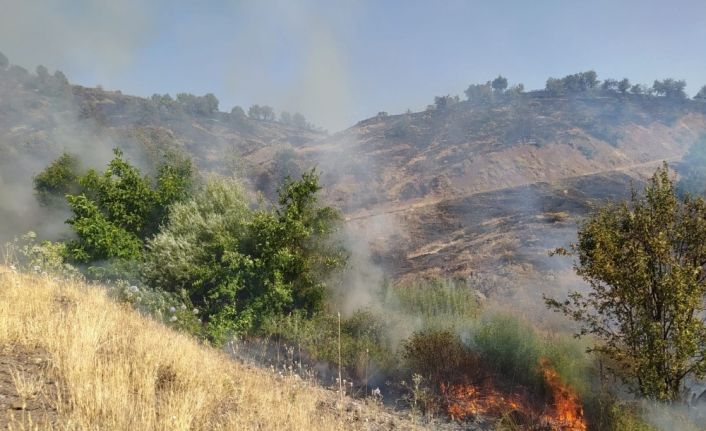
x,y
339,62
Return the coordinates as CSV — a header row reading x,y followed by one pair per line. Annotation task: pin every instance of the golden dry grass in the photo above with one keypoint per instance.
x,y
117,370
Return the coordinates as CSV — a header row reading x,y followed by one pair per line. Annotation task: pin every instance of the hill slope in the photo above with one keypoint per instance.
x,y
70,358
472,187
480,185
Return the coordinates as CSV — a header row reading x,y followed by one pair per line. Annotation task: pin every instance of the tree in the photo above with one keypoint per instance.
x,y
198,105
299,121
4,62
268,113
57,180
554,86
670,88
701,95
638,89
285,118
624,85
255,112
42,73
499,84
238,113
444,102
515,90
241,265
609,85
61,78
116,210
479,92
580,82
644,261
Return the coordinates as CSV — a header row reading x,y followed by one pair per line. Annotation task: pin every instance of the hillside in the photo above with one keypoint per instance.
x,y
42,116
70,358
479,186
469,188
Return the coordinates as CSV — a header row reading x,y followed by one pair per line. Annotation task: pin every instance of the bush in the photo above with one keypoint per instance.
x,y
366,350
241,265
116,210
57,180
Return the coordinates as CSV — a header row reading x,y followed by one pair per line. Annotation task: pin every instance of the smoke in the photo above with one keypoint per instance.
x,y
294,40
35,130
98,38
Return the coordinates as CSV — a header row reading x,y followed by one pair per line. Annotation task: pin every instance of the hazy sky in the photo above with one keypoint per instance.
x,y
342,61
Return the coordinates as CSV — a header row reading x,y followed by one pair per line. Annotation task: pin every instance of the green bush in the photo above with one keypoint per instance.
x,y
57,180
365,346
113,211
243,265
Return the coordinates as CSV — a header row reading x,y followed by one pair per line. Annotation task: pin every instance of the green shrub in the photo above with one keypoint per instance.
x,y
113,211
365,346
436,303
514,349
243,265
57,180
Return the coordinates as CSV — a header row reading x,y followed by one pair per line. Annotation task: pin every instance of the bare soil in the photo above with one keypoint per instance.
x,y
27,395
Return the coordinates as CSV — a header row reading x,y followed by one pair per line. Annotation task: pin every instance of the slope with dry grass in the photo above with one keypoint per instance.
x,y
70,358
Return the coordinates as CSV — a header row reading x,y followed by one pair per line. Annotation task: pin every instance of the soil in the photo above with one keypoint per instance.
x,y
34,404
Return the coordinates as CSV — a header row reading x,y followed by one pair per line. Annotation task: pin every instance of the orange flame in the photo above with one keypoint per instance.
x,y
567,409
565,413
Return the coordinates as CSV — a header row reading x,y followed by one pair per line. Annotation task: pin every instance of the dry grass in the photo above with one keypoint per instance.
x,y
119,371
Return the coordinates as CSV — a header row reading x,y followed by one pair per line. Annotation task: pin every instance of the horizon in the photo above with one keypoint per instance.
x,y
338,64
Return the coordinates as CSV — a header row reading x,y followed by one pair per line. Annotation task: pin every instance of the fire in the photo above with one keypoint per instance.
x,y
567,408
466,401
563,413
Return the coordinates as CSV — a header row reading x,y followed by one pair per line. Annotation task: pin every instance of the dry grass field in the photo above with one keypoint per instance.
x,y
72,359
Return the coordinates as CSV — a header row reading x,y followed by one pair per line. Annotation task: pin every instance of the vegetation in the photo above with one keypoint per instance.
x,y
701,95
113,368
644,262
499,84
115,211
576,83
670,88
59,179
264,113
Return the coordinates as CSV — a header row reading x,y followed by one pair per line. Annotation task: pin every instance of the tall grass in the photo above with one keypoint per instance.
x,y
118,370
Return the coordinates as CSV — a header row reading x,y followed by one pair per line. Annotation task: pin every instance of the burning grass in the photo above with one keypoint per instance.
x,y
561,409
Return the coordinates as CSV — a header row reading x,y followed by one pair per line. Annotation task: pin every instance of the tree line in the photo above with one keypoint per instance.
x,y
574,84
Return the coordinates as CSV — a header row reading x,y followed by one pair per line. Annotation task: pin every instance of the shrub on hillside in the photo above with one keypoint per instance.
x,y
242,265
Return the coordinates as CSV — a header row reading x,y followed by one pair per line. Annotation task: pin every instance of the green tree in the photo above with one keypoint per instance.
x,y
638,89
444,102
554,86
644,262
116,210
499,84
241,265
479,92
609,85
4,62
57,180
670,88
624,85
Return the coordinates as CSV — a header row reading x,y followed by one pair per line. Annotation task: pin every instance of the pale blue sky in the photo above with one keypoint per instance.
x,y
342,61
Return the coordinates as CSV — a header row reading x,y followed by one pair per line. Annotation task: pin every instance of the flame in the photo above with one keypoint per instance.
x,y
564,413
567,409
